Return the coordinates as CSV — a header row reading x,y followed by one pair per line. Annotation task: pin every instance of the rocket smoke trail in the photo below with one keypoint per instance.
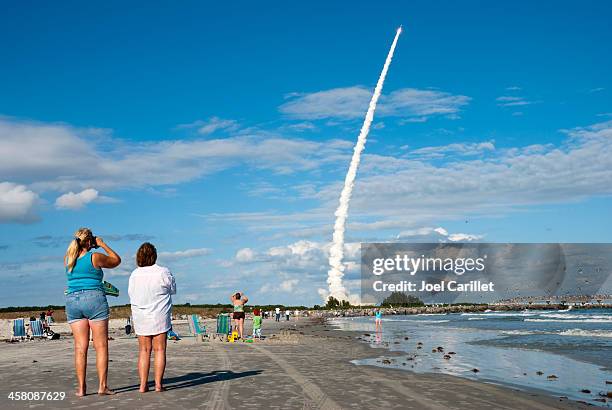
x,y
336,253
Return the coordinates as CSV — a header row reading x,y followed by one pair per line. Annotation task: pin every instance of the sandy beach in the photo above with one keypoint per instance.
x,y
302,364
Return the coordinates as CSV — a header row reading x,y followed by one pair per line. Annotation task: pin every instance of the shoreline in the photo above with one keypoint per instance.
x,y
121,312
391,350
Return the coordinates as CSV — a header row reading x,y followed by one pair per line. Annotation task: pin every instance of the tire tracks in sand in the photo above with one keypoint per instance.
x,y
218,399
319,399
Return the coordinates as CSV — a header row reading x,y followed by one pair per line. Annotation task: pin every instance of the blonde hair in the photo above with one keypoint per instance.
x,y
78,243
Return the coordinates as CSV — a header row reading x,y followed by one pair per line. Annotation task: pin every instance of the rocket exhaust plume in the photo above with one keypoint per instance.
x,y
336,252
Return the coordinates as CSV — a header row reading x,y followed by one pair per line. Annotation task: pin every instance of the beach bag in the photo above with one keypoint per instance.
x,y
51,335
172,335
109,289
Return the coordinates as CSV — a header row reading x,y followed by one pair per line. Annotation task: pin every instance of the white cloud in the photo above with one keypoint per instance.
x,y
76,201
184,254
63,158
280,286
412,120
512,101
398,193
464,149
441,231
245,255
419,232
16,203
581,167
301,126
296,268
288,285
352,102
413,102
464,237
596,90
436,235
211,125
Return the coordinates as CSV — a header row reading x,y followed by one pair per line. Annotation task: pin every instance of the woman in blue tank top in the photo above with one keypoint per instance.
x,y
86,305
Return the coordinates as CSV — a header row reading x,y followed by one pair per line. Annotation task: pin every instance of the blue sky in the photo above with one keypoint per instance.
x,y
222,134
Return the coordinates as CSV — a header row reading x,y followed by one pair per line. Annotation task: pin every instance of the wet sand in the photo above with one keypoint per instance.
x,y
306,364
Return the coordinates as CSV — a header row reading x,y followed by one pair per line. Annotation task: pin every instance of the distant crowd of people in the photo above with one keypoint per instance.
x,y
238,301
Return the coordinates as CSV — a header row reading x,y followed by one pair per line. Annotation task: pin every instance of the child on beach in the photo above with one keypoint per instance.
x,y
256,324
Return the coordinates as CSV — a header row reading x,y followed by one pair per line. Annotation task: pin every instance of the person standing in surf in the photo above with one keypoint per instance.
x,y
378,320
86,305
238,301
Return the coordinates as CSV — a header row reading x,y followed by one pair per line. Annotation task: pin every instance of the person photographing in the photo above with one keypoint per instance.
x,y
86,304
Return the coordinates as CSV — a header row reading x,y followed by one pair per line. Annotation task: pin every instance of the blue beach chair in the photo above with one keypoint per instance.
x,y
36,328
19,331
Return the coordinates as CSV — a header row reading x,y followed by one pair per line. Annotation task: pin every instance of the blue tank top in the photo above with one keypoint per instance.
x,y
378,315
84,275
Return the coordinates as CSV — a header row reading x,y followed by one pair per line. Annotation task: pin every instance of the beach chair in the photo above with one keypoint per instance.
x,y
223,327
194,326
19,331
36,328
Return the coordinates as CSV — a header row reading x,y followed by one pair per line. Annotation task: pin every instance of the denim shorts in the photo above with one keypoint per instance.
x,y
86,304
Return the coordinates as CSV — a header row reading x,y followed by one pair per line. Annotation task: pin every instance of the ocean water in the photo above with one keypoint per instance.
x,y
509,348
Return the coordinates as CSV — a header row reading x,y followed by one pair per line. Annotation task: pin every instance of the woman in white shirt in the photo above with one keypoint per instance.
x,y
150,290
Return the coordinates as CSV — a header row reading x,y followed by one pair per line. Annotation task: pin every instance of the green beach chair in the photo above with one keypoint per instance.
x,y
194,326
223,324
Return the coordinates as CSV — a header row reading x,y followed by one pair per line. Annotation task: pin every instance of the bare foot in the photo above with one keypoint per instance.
x,y
106,392
143,389
81,393
160,389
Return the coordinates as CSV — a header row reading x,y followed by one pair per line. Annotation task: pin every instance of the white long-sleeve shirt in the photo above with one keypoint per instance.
x,y
150,289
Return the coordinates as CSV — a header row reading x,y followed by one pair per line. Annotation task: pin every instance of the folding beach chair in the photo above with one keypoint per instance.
x,y
223,324
36,328
19,331
194,326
